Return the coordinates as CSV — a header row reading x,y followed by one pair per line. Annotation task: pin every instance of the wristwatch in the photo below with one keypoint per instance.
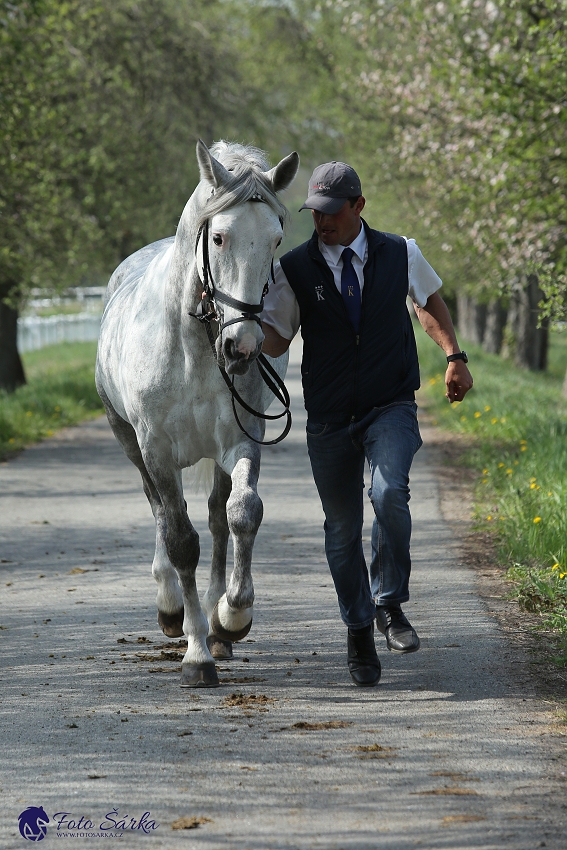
x,y
460,355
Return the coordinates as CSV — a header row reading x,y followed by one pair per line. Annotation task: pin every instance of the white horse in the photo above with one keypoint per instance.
x,y
166,399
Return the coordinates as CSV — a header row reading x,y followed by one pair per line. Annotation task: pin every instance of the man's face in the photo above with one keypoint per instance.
x,y
343,227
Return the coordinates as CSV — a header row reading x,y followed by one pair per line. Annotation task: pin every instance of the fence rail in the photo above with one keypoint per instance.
x,y
38,331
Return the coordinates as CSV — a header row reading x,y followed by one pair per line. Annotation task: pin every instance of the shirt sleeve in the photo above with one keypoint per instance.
x,y
281,309
423,279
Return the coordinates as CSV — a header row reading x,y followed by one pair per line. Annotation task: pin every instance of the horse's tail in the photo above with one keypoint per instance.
x,y
201,476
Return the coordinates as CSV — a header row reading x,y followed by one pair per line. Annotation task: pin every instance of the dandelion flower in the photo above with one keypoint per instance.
x,y
523,442
537,519
493,421
533,486
487,408
550,493
500,465
485,480
503,420
524,449
508,472
477,414
561,575
489,517
485,471
463,418
555,567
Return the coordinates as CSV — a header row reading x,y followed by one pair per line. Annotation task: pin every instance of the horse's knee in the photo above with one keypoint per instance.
x,y
244,511
183,548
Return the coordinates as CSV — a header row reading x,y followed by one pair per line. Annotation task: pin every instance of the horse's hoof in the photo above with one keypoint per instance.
x,y
223,633
199,675
171,624
219,648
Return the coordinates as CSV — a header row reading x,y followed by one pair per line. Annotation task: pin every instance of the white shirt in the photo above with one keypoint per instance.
x,y
281,309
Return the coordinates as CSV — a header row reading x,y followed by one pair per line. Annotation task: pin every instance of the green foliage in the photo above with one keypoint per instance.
x,y
517,425
60,391
101,105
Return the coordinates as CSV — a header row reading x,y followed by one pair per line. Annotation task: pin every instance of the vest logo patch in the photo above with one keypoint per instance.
x,y
319,293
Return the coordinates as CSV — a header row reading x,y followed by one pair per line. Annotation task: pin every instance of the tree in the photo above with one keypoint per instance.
x,y
101,104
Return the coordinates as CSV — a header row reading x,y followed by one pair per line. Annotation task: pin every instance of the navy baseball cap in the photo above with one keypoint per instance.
x,y
329,187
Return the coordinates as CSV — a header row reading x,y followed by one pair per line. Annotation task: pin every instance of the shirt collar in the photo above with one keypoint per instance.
x,y
358,245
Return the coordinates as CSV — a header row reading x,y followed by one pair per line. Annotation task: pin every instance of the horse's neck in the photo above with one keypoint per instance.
x,y
184,291
184,285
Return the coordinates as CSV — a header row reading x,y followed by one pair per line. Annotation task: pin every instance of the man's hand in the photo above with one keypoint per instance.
x,y
458,380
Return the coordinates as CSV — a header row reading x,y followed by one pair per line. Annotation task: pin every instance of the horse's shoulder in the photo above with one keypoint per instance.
x,y
134,266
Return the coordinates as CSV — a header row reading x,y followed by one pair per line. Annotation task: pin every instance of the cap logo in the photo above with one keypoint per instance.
x,y
321,187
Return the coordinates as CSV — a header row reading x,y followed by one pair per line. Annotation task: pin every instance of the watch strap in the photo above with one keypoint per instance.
x,y
460,355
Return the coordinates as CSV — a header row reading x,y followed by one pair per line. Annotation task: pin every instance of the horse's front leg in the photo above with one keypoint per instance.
x,y
218,526
182,549
232,617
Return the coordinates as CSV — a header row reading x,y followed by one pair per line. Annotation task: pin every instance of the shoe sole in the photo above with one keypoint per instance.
x,y
404,651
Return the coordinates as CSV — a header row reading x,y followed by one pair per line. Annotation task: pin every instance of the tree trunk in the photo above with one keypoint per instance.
x,y
11,369
496,315
471,319
531,342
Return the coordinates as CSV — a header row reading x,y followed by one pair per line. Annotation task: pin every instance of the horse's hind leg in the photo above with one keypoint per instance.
x,y
169,596
218,526
232,616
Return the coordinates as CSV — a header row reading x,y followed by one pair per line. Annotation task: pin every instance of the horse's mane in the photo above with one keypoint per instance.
x,y
247,165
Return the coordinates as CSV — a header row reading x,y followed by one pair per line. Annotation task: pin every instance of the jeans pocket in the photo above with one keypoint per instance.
x,y
316,429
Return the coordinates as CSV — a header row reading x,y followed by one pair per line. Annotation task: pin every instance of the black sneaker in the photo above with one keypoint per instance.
x,y
363,662
399,632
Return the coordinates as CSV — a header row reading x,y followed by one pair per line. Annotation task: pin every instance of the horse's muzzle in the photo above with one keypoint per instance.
x,y
238,357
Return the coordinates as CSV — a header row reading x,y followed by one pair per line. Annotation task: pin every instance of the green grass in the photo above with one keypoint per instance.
x,y
60,391
517,425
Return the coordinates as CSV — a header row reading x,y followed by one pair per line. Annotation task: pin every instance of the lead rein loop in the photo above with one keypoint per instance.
x,y
267,372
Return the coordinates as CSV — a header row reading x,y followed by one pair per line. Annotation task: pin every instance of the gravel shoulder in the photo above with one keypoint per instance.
x,y
456,748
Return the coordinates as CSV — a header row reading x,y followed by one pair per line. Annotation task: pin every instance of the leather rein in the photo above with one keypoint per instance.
x,y
208,312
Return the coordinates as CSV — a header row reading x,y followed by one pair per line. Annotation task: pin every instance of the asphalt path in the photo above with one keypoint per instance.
x,y
452,750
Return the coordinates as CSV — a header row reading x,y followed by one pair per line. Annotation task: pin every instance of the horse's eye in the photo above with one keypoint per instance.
x,y
217,239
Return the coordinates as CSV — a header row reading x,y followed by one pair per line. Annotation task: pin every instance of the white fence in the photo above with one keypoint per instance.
x,y
38,331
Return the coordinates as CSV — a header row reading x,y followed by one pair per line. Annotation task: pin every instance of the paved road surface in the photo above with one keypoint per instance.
x,y
452,750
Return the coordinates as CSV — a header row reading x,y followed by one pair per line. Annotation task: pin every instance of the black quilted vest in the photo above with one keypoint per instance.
x,y
344,375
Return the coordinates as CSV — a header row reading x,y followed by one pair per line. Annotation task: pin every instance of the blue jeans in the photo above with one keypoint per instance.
x,y
387,437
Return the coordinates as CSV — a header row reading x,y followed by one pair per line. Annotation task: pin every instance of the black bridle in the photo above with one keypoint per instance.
x,y
208,311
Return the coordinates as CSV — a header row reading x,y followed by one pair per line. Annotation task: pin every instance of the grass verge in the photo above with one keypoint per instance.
x,y
517,425
60,391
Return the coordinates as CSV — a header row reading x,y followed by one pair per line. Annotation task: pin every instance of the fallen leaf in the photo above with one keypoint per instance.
x,y
328,724
450,819
457,792
189,823
241,700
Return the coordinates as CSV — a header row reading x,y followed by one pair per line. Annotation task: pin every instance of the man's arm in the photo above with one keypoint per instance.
x,y
435,320
274,344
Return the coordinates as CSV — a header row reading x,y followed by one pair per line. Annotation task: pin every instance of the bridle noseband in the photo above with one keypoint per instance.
x,y
208,311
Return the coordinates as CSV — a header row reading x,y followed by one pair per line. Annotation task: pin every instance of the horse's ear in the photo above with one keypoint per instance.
x,y
284,172
210,168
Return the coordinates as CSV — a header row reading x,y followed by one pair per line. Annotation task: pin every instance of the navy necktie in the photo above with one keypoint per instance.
x,y
350,288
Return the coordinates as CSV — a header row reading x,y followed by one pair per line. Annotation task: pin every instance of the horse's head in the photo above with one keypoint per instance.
x,y
241,227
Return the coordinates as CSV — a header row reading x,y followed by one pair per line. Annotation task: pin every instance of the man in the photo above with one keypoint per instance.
x,y
347,289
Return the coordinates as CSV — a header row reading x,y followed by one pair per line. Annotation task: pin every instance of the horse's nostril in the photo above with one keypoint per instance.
x,y
230,351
